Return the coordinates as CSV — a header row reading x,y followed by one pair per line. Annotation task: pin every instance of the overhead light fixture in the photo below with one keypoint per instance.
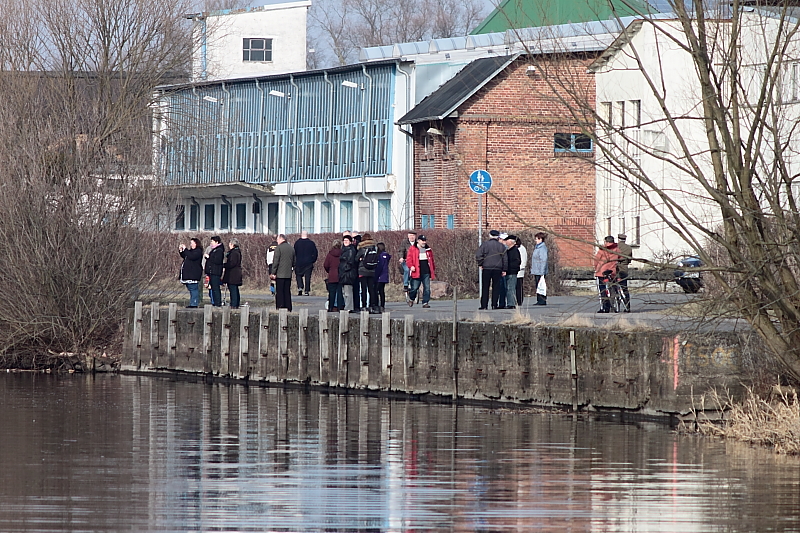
x,y
530,71
210,99
434,131
273,92
350,84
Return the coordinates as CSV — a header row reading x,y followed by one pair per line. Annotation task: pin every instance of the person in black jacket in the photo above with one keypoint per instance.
x,y
192,270
348,270
514,263
214,260
233,272
306,254
493,263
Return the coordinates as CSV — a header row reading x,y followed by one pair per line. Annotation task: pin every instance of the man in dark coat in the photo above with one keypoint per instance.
x,y
233,272
306,255
493,263
514,263
214,259
282,266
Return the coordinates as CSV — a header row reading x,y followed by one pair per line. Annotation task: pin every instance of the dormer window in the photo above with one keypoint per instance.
x,y
257,49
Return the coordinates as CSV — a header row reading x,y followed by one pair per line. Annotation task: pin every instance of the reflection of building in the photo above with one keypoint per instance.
x,y
255,41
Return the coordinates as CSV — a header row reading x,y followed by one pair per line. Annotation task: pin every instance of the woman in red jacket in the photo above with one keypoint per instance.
x,y
423,270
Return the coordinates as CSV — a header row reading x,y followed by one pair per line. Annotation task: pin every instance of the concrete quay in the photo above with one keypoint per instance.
x,y
656,370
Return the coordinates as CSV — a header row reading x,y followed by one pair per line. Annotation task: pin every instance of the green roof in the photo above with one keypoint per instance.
x,y
515,14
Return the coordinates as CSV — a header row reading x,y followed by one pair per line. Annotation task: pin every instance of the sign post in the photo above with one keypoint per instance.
x,y
480,182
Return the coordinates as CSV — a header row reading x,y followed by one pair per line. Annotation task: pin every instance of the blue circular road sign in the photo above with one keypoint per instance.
x,y
480,181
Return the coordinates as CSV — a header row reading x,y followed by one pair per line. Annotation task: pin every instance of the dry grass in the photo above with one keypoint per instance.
x,y
772,422
518,318
479,316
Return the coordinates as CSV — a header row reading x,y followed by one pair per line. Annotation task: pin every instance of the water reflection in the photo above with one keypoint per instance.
x,y
107,453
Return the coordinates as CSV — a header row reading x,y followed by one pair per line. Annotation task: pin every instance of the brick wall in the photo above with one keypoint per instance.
x,y
508,129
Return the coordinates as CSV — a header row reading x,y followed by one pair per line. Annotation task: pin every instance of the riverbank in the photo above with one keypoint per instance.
x,y
653,371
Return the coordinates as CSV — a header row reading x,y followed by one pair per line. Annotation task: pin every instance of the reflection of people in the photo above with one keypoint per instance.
x,y
492,260
214,259
539,264
282,267
605,269
306,255
233,272
423,270
625,254
192,270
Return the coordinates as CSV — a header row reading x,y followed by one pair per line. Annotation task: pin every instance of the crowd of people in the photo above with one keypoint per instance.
x,y
357,270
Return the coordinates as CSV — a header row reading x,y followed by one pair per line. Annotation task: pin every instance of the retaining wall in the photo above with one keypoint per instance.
x,y
653,373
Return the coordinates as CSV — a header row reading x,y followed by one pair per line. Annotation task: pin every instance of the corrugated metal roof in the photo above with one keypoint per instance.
x,y
457,90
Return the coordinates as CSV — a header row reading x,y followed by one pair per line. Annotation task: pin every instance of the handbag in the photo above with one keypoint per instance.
x,y
541,287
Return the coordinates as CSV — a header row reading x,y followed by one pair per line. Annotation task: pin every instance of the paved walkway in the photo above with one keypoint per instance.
x,y
579,311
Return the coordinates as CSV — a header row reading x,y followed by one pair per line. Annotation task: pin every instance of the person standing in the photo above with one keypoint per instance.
x,y
348,272
493,263
214,260
423,270
514,264
331,266
411,239
367,263
192,270
233,272
270,257
382,275
539,264
605,268
625,256
523,254
501,301
282,267
306,253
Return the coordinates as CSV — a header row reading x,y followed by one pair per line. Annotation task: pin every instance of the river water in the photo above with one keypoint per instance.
x,y
125,453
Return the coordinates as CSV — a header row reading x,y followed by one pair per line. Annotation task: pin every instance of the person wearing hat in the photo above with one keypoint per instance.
x,y
625,254
422,269
493,263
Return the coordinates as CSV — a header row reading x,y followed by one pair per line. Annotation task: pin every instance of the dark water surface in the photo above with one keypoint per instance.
x,y
122,453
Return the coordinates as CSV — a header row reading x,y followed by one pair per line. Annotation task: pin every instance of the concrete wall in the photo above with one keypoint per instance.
x,y
654,373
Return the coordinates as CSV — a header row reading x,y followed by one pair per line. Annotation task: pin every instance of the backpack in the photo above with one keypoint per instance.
x,y
371,258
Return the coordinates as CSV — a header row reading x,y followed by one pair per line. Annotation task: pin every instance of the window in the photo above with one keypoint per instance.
x,y
292,219
194,216
272,218
257,49
208,219
326,217
384,215
241,216
224,216
636,113
308,217
451,221
180,217
428,222
346,215
572,142
605,114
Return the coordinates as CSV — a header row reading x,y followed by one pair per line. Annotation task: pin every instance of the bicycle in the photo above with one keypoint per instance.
x,y
612,293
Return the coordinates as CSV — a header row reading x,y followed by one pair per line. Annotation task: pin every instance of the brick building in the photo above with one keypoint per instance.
x,y
508,115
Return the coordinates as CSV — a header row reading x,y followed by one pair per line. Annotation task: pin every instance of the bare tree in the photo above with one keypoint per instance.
x,y
79,205
343,26
694,128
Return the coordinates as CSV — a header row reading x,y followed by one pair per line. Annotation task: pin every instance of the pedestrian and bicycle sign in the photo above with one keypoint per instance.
x,y
480,182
